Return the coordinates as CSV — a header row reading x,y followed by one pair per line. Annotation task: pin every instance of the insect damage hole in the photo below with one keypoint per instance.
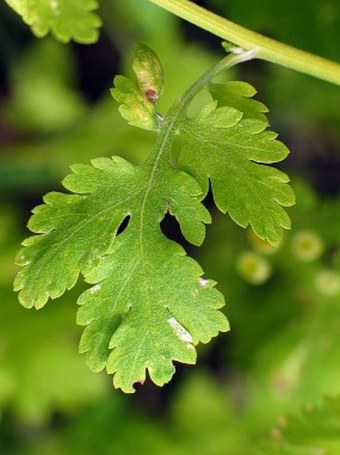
x,y
123,225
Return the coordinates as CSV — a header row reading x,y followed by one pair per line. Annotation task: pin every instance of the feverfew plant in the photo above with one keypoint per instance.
x,y
149,304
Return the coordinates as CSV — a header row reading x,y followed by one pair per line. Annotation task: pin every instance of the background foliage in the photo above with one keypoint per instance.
x,y
258,389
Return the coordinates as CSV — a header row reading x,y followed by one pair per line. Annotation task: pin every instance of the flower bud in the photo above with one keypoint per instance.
x,y
253,268
307,246
328,282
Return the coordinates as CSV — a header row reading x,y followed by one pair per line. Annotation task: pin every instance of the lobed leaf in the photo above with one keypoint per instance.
x,y
138,99
148,305
76,229
233,152
239,95
64,18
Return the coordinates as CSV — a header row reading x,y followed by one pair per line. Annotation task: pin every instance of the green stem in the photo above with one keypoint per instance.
x,y
161,156
227,62
267,48
180,105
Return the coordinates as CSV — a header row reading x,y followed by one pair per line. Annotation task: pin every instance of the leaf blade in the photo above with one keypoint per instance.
x,y
66,20
234,154
74,229
138,99
169,312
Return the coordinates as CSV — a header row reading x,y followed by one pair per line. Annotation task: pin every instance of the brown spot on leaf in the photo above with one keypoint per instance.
x,y
151,95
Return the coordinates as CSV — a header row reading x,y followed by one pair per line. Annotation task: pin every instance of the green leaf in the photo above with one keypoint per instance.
x,y
41,372
239,95
153,309
43,95
79,229
138,99
233,152
315,431
66,19
149,305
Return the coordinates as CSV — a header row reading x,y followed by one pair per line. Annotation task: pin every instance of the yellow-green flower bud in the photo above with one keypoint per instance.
x,y
328,282
307,246
253,268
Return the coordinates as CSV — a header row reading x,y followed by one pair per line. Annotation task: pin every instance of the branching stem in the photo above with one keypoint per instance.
x,y
226,63
267,48
166,136
161,156
168,130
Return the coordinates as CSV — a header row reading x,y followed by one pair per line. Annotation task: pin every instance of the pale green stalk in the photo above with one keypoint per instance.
x,y
266,48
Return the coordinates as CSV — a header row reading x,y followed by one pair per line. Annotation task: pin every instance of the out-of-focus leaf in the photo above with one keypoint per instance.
x,y
315,431
66,19
43,98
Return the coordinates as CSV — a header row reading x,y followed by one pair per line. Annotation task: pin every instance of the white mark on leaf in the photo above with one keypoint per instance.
x,y
203,282
95,288
180,331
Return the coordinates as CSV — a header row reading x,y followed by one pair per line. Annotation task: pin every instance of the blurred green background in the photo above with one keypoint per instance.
x,y
283,351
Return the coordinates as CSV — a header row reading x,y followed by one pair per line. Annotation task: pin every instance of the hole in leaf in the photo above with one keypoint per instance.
x,y
123,225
